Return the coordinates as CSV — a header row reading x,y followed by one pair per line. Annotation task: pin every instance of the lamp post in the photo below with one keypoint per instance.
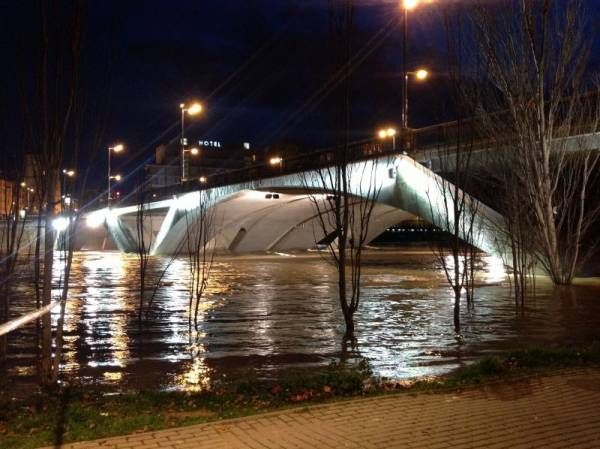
x,y
420,75
407,5
28,190
114,149
67,173
193,109
194,152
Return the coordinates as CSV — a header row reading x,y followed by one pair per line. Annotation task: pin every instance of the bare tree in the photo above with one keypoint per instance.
x,y
347,193
536,54
200,226
451,207
343,213
143,222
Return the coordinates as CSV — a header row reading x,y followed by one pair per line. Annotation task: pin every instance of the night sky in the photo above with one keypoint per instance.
x,y
258,66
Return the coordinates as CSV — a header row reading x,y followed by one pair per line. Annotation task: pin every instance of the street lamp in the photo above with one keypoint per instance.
x,y
67,173
420,75
387,133
407,5
193,109
114,149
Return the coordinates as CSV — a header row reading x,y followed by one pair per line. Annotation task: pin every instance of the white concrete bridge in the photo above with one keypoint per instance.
x,y
279,213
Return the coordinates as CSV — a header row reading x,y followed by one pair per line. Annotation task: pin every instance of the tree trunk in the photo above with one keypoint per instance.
x,y
45,370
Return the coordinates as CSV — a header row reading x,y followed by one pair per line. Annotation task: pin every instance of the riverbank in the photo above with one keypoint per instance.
x,y
76,414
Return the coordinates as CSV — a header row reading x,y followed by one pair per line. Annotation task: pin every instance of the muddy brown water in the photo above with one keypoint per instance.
x,y
279,312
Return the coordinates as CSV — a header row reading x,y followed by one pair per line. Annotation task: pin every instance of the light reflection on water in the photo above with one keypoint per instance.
x,y
277,313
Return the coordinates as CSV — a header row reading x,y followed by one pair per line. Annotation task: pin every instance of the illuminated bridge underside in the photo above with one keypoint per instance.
x,y
248,217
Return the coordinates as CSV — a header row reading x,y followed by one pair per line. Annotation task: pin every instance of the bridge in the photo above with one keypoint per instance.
x,y
260,208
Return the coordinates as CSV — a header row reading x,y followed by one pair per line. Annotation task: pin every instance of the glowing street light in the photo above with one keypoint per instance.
x,y
410,4
203,179
421,74
387,133
193,109
114,149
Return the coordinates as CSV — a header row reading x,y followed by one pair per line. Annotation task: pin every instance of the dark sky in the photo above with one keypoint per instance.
x,y
258,66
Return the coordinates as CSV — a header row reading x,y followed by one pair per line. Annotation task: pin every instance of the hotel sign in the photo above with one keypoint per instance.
x,y
210,143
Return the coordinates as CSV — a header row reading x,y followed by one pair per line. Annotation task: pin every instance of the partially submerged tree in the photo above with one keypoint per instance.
x,y
200,245
144,238
536,54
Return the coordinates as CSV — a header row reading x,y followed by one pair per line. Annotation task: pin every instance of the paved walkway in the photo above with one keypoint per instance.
x,y
560,411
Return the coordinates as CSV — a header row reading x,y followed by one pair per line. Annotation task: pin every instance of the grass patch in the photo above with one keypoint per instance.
x,y
75,414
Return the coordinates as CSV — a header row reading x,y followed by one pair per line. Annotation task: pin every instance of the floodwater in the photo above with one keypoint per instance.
x,y
279,312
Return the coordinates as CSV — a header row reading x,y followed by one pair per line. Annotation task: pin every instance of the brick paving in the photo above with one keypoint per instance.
x,y
558,411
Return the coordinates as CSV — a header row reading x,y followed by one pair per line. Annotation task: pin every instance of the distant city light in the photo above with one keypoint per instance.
x,y
276,160
69,173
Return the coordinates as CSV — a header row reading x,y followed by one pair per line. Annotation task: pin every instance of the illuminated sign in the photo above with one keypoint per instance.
x,y
210,143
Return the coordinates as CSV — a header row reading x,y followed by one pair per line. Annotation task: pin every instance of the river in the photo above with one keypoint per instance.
x,y
270,313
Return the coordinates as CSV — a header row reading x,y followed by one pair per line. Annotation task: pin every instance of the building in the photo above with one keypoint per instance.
x,y
203,158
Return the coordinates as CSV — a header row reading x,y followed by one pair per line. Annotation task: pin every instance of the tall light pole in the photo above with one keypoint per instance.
x,y
116,149
193,109
67,173
407,5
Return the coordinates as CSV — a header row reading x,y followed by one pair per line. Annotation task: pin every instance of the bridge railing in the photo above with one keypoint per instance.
x,y
414,142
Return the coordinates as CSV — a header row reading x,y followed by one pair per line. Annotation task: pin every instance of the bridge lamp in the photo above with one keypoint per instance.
x,y
60,224
114,149
95,219
193,109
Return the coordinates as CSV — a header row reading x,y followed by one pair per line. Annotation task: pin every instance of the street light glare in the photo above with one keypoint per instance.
x,y
422,74
119,147
410,4
202,179
275,160
117,177
194,109
385,133
194,151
